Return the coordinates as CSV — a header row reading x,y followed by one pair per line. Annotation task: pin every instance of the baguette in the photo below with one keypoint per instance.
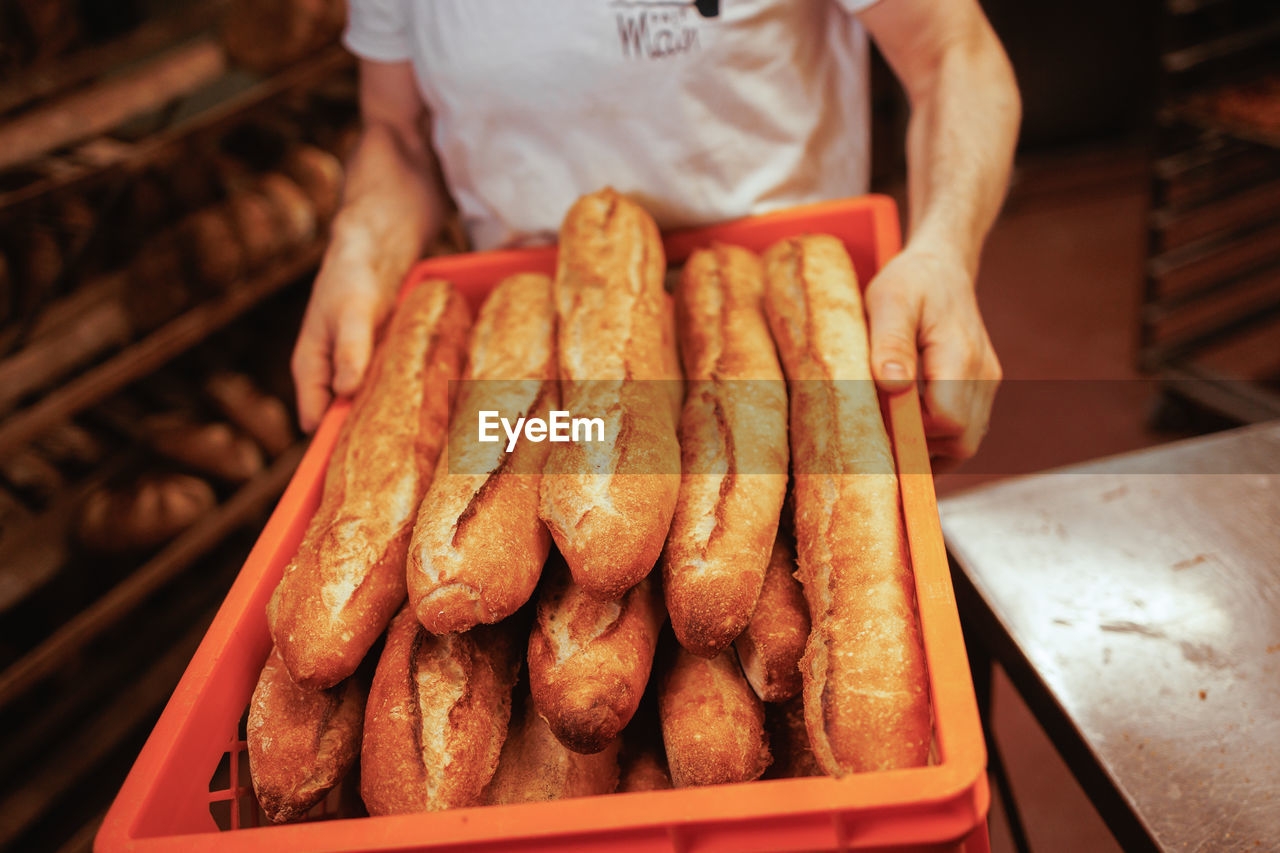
x,y
437,717
733,442
771,647
865,695
712,724
301,742
535,767
348,577
478,545
609,503
589,660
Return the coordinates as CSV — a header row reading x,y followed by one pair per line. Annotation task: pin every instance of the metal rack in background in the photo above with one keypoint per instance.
x,y
1210,316
91,643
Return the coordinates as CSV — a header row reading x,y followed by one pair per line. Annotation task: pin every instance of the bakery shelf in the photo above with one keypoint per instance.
x,y
164,79
133,705
1192,113
41,547
102,158
1226,46
126,708
1180,347
70,333
1190,7
1181,224
55,77
154,350
120,601
1254,238
1246,402
1209,292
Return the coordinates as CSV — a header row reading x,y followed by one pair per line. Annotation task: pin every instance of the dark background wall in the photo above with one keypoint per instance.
x,y
1087,68
1088,72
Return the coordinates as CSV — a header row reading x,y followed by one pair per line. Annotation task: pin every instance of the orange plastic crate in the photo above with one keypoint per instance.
x,y
191,776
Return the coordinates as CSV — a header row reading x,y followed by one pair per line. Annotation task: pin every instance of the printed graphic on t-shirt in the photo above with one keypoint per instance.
x,y
656,29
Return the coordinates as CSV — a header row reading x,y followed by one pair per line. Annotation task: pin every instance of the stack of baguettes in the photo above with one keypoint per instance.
x,y
792,626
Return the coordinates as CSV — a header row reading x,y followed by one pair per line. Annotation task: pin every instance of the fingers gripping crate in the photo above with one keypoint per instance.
x,y
190,788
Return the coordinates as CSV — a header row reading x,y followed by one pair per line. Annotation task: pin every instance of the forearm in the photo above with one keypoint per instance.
x,y
392,205
965,113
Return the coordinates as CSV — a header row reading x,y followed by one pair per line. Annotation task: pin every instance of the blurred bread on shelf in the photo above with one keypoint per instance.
x,y
267,36
243,403
320,176
215,449
147,513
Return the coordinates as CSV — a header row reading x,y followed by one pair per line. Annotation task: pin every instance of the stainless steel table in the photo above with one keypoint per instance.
x,y
1135,603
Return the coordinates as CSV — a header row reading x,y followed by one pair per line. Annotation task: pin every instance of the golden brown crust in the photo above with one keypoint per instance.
x,y
733,442
712,724
348,578
535,767
589,660
437,717
771,646
301,742
478,545
610,312
865,686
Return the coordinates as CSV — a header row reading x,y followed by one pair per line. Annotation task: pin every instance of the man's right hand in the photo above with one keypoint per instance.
x,y
392,205
348,304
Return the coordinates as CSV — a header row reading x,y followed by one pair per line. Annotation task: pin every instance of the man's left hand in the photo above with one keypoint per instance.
x,y
923,303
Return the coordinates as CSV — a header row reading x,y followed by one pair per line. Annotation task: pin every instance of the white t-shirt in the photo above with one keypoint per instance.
x,y
702,111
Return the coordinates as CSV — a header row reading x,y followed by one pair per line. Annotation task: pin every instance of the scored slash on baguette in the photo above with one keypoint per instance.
x,y
301,742
348,577
589,660
733,442
865,687
478,545
608,504
437,717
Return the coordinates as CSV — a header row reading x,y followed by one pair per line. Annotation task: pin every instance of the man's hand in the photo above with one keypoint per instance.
x,y
965,112
392,205
924,302
348,304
